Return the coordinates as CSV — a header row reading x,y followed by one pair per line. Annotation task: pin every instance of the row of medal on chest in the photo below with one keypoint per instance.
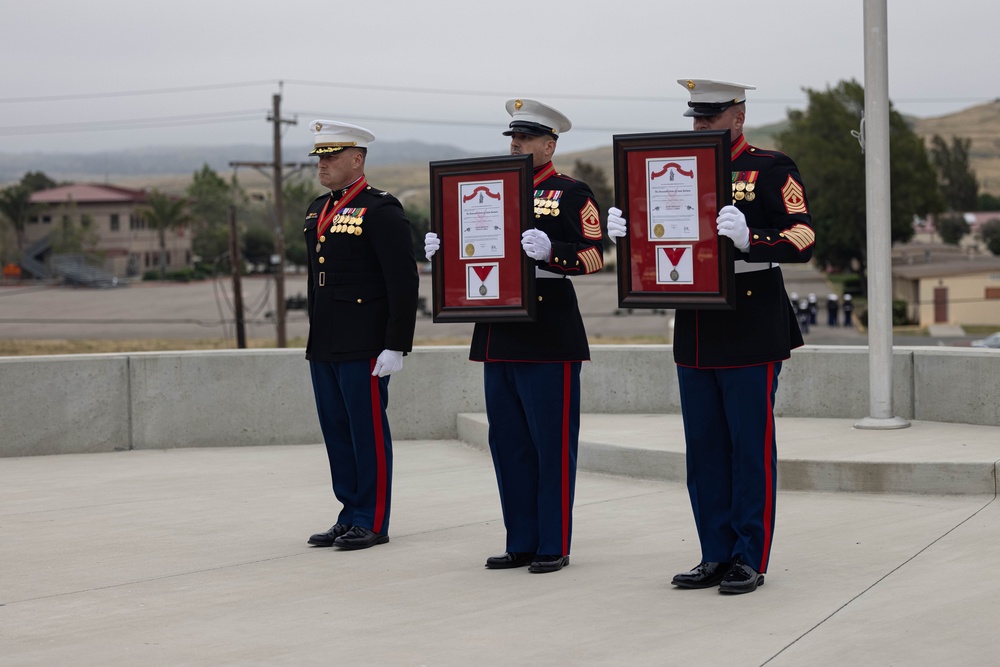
x,y
344,224
743,190
545,206
341,224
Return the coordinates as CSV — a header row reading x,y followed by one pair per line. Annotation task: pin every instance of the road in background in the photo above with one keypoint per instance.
x,y
204,309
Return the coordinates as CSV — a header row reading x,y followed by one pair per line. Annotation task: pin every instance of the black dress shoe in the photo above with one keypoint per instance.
x,y
509,560
741,578
326,539
548,563
704,575
360,538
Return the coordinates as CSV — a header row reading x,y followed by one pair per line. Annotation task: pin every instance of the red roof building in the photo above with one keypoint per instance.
x,y
104,221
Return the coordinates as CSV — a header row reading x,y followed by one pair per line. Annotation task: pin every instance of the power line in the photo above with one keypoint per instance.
x,y
460,123
133,93
463,92
134,123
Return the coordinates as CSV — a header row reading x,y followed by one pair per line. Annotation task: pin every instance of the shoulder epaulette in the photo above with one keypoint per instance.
x,y
564,177
377,193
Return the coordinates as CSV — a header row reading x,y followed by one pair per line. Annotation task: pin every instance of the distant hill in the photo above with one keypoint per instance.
x,y
185,160
981,124
401,167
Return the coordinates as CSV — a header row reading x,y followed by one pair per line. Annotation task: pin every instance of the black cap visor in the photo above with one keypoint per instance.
x,y
529,128
707,109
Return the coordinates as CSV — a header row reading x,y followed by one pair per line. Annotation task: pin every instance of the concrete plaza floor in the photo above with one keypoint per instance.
x,y
199,557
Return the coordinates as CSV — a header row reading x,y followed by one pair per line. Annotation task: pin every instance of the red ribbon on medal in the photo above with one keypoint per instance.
x,y
482,272
324,219
674,255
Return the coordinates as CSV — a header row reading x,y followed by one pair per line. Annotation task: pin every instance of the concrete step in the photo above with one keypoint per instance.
x,y
813,454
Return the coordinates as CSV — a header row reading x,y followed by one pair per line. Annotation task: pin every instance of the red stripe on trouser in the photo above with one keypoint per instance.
x,y
567,397
376,399
768,480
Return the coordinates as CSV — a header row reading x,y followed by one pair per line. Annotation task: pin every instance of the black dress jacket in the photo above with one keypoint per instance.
x,y
363,282
768,190
566,210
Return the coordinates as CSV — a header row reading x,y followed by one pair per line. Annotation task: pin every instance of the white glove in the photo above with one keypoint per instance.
x,y
431,244
536,245
388,362
617,227
732,223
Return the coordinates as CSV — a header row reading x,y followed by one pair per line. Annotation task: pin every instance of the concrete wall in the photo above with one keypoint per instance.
x,y
92,403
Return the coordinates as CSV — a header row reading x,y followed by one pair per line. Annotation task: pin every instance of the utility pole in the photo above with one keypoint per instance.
x,y
279,224
278,211
235,263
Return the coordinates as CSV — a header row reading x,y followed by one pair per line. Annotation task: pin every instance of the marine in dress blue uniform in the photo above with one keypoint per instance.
x,y
532,369
362,303
728,360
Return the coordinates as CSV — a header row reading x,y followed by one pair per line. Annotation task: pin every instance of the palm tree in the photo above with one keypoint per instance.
x,y
162,213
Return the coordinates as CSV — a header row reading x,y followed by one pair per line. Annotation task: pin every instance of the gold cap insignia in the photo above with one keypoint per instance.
x,y
690,84
518,104
319,126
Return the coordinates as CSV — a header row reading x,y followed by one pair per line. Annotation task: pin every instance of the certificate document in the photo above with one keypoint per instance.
x,y
672,187
481,207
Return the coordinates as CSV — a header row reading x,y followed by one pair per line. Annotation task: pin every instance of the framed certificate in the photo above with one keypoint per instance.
x,y
479,207
670,187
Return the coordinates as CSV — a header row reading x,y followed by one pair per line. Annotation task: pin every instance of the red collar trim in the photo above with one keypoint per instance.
x,y
739,147
543,172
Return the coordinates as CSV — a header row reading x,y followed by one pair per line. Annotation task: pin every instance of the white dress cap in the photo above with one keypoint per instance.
x,y
331,136
537,119
710,98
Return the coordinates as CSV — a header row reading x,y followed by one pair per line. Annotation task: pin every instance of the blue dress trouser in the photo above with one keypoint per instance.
x,y
351,406
732,461
534,416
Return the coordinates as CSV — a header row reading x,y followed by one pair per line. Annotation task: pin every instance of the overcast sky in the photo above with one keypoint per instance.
x,y
117,74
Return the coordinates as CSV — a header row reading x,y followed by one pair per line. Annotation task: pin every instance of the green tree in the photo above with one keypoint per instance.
x,y
988,202
833,168
209,198
74,232
211,245
951,228
420,224
163,213
258,245
989,233
595,177
36,181
16,208
297,194
956,179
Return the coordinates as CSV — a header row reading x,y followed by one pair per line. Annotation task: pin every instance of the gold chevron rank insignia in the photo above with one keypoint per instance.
x,y
591,259
801,236
794,196
591,219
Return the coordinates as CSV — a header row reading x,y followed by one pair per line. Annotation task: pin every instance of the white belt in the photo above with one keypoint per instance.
x,y
542,273
748,267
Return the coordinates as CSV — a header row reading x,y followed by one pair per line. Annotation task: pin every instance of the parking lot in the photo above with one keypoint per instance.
x,y
204,309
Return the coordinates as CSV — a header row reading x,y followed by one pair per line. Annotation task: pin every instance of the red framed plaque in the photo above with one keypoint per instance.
x,y
479,207
670,187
